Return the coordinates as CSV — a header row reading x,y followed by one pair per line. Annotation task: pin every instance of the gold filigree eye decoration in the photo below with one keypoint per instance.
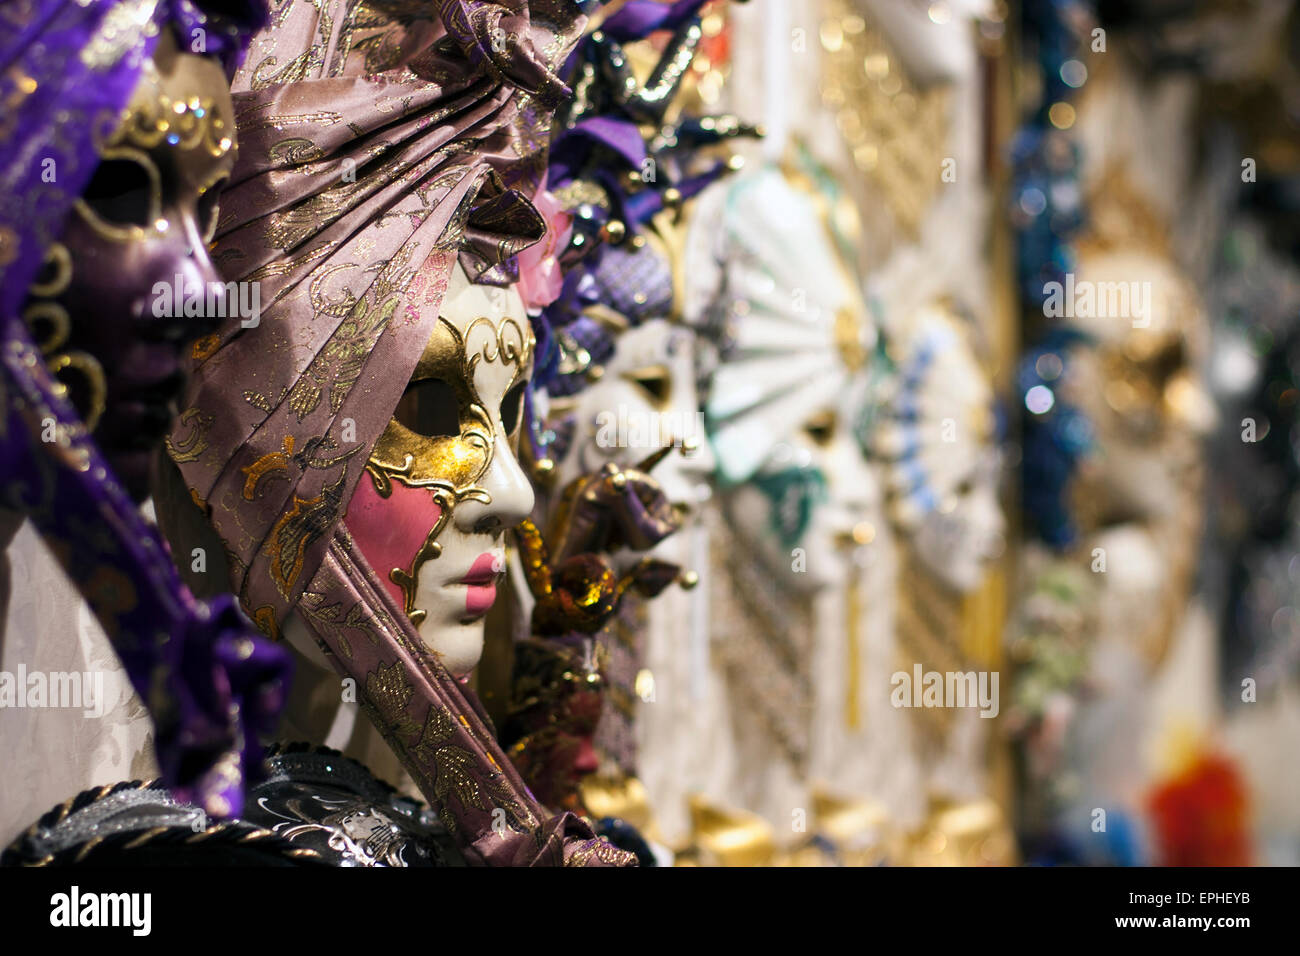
x,y
49,325
128,206
47,320
77,373
441,434
655,381
58,266
508,341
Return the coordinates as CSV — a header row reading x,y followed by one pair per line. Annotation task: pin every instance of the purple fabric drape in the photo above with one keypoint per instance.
x,y
211,684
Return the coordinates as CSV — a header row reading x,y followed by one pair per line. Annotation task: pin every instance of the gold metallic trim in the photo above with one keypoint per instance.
x,y
62,259
96,383
119,232
60,321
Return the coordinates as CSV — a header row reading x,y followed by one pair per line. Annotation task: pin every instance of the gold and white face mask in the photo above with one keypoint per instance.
x,y
444,482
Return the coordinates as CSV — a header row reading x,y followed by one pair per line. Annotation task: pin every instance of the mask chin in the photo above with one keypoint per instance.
x,y
806,566
458,646
957,547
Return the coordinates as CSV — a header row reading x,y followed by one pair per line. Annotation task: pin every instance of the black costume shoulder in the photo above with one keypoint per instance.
x,y
315,808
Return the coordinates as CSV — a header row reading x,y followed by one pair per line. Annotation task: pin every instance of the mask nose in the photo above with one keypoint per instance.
x,y
510,492
196,299
206,273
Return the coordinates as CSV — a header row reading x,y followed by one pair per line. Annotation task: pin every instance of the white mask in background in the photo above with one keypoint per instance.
x,y
644,400
794,338
936,436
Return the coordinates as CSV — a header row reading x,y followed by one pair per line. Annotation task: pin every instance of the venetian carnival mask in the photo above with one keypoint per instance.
x,y
810,502
935,433
108,308
644,400
794,342
443,483
1138,385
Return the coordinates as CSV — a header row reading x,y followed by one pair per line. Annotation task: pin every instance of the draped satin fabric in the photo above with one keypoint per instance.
x,y
379,143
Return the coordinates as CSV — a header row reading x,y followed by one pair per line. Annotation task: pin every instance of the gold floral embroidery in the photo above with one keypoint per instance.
x,y
306,521
288,229
600,850
294,151
286,266
339,365
295,71
264,618
389,694
247,120
205,347
193,445
268,464
261,402
330,619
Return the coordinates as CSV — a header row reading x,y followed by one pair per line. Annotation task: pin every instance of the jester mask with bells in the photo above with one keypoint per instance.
x,y
620,375
114,141
353,449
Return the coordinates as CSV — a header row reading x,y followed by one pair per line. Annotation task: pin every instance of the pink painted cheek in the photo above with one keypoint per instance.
x,y
390,531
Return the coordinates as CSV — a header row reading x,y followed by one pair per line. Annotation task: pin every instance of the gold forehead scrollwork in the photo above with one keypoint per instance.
x,y
193,122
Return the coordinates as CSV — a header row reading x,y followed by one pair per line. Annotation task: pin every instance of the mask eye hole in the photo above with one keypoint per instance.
x,y
512,409
821,428
209,210
429,407
121,193
654,380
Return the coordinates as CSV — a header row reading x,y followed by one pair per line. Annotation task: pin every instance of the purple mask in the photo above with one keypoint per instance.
x,y
70,71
